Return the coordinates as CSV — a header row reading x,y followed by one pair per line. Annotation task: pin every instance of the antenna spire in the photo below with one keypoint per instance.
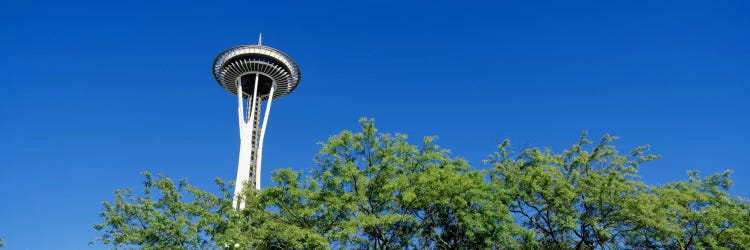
x,y
260,39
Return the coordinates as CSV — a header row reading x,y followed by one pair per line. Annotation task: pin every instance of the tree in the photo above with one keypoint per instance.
x,y
376,191
594,200
575,199
694,214
171,221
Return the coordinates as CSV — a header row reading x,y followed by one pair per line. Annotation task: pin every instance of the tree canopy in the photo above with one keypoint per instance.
x,y
372,190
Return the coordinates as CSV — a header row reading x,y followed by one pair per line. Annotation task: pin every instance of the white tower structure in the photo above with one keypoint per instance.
x,y
255,73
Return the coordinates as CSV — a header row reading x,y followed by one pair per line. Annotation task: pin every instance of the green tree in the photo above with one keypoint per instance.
x,y
376,191
693,214
171,221
581,199
574,199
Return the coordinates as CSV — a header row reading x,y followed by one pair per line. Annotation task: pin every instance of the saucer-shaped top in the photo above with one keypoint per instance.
x,y
241,64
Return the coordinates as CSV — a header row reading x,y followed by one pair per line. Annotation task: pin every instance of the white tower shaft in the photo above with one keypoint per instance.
x,y
251,149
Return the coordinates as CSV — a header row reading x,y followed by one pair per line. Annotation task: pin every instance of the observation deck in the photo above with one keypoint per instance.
x,y
245,61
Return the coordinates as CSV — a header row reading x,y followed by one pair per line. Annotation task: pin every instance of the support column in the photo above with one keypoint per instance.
x,y
262,135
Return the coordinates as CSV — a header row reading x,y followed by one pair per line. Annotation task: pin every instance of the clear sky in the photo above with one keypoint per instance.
x,y
92,93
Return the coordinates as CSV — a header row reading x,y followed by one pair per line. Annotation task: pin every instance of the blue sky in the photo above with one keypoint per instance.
x,y
92,93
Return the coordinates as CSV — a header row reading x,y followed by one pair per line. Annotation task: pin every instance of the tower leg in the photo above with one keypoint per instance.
x,y
262,136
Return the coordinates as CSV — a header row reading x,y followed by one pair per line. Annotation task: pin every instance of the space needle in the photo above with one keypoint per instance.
x,y
255,74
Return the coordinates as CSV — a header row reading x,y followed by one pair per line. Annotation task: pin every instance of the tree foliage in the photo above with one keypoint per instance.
x,y
376,191
171,221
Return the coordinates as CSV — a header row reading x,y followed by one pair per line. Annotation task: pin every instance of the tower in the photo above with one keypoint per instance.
x,y
254,73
